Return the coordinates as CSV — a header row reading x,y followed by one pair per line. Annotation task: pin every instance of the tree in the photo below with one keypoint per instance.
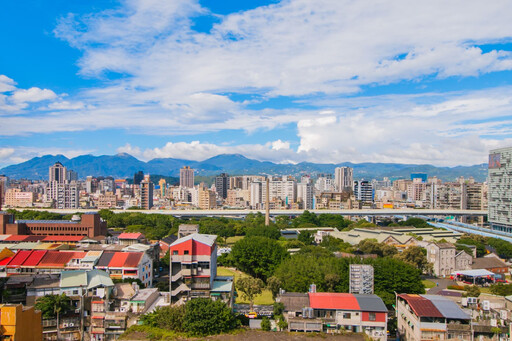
x,y
273,284
265,324
206,317
472,290
371,246
306,219
278,308
271,232
258,256
306,236
414,255
249,287
52,306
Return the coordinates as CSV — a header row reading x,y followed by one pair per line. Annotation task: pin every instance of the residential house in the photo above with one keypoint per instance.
x,y
431,317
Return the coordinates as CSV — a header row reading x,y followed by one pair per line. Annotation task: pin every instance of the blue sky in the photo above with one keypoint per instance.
x,y
285,81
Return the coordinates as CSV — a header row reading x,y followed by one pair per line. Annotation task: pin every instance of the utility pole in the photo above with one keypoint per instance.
x,y
267,208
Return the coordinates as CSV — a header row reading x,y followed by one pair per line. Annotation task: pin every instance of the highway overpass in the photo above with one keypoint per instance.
x,y
243,213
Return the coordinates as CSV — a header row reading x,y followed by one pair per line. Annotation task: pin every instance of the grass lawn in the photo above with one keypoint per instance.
x,y
233,240
428,284
264,298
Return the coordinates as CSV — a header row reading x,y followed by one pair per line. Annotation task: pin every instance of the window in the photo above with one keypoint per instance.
x,y
372,316
347,315
185,252
175,252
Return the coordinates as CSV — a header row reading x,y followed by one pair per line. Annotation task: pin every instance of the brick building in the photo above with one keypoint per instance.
x,y
90,225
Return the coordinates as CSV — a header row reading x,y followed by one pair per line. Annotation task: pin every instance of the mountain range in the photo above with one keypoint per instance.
x,y
124,166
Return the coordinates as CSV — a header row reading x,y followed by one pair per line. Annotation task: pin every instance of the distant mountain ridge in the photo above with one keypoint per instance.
x,y
124,166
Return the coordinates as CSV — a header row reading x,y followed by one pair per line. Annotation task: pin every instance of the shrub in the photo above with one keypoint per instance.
x,y
265,324
455,287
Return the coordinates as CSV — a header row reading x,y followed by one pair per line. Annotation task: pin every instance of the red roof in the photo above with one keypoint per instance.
x,y
5,261
118,260
125,260
56,259
19,258
334,301
133,260
421,306
128,235
16,238
63,238
34,258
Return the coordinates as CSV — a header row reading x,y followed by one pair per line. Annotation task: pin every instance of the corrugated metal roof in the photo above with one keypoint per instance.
x,y
98,278
74,278
4,236
25,246
421,306
118,260
222,286
133,259
5,261
16,238
34,258
130,235
19,258
335,301
63,238
447,307
105,259
56,259
371,303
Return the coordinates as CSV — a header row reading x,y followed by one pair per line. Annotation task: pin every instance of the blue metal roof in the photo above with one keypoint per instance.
x,y
447,307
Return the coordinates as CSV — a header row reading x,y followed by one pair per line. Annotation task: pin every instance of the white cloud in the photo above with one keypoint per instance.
x,y
278,145
32,95
6,84
66,105
6,152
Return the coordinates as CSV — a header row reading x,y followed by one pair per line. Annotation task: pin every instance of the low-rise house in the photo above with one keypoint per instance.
x,y
143,299
431,317
20,323
491,263
129,238
333,312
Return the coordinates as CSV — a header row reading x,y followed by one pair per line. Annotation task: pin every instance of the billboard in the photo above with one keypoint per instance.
x,y
494,161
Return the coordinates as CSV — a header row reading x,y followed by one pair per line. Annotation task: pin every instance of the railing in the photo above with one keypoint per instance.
x,y
182,287
177,277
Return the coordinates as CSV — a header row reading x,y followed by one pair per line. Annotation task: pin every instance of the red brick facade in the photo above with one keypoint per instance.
x,y
90,226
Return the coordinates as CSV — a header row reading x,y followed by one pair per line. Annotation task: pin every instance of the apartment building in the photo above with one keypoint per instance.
x,y
500,189
431,317
193,266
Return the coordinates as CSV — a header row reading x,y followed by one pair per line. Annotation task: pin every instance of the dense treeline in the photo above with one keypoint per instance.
x,y
315,265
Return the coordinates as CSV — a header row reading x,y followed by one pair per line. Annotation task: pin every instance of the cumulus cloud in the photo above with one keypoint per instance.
x,y
6,84
33,95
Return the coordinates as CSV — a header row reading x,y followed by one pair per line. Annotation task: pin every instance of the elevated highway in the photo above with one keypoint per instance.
x,y
243,213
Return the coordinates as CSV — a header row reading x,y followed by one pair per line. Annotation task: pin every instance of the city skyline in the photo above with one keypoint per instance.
x,y
280,81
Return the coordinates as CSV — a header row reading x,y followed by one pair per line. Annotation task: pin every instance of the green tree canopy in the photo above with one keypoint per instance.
x,y
258,256
206,317
249,287
414,256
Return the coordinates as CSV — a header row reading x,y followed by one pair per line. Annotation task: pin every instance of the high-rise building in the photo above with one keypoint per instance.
x,y
363,191
361,279
146,193
63,192
58,173
343,178
221,185
500,189
305,195
163,187
138,177
187,177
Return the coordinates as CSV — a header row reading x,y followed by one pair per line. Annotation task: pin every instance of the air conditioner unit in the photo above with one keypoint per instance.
x,y
71,324
65,325
77,311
